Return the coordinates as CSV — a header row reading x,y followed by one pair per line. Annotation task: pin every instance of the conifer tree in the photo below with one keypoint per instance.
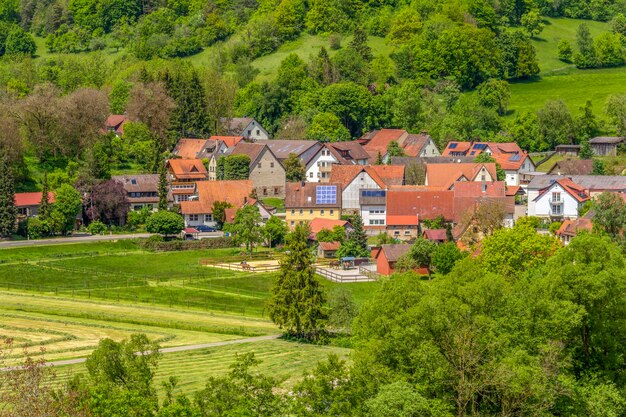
x,y
359,44
297,301
162,187
8,211
449,234
44,205
355,243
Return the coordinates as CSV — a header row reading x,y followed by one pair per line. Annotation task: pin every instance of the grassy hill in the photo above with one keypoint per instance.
x,y
560,80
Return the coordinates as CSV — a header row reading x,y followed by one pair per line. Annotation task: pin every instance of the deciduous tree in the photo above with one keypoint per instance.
x,y
246,227
295,170
165,223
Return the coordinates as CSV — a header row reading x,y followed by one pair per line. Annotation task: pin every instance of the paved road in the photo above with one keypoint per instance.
x,y
179,348
85,238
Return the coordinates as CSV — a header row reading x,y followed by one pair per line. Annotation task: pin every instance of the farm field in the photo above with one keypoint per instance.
x,y
66,298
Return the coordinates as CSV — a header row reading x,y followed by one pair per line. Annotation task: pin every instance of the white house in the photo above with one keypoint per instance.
x,y
246,127
373,209
319,167
354,178
513,165
561,199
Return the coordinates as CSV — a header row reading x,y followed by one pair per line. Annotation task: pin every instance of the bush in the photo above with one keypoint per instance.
x,y
38,228
165,223
157,244
335,41
554,226
96,227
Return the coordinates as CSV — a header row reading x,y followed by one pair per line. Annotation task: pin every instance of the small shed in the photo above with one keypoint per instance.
x,y
606,145
567,149
327,250
436,235
189,233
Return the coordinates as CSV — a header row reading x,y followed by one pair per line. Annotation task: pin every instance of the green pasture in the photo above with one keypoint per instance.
x,y
283,360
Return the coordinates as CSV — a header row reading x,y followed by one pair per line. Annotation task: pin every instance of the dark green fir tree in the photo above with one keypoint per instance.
x,y
44,204
162,187
8,211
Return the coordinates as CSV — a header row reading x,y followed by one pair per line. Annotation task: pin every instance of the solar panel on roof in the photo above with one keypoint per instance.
x,y
452,145
515,158
480,146
326,194
373,193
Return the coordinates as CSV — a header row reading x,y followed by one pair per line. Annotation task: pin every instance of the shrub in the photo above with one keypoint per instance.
x,y
38,228
96,227
335,41
554,226
157,244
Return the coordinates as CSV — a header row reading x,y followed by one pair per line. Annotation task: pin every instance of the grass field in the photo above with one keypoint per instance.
x,y
283,360
560,80
66,298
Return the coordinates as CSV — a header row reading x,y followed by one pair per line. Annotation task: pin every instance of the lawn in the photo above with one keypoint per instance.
x,y
283,360
562,81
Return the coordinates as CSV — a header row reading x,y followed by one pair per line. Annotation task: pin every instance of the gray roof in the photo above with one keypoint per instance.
x,y
305,149
138,182
606,140
590,182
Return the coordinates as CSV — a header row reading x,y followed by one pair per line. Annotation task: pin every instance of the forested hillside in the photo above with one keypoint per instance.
x,y
176,67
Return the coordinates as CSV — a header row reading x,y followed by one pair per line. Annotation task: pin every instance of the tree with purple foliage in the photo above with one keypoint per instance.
x,y
108,203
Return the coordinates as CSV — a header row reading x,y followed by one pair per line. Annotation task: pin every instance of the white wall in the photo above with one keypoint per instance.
x,y
350,195
367,215
256,131
430,149
542,206
312,170
203,219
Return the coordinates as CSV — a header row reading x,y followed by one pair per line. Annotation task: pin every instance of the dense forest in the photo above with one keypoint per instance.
x,y
446,70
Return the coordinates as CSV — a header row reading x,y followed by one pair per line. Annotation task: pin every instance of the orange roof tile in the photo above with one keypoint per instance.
x,y
329,245
390,174
230,141
188,168
572,227
445,175
235,192
406,206
189,148
379,142
317,224
31,199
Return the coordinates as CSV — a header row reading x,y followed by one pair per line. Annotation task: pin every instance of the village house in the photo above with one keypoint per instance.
x,y
182,177
373,210
266,171
306,201
514,165
327,250
342,153
567,149
473,149
27,204
386,257
570,228
244,126
222,145
377,142
606,146
142,190
115,124
265,212
318,224
560,199
187,148
592,184
303,149
572,167
444,176
354,178
198,210
408,206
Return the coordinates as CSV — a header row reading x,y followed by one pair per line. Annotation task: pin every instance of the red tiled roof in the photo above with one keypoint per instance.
x,y
229,141
572,227
393,252
475,189
476,148
413,144
512,190
436,234
31,199
229,214
406,205
326,246
510,162
303,195
445,175
253,150
189,148
390,174
354,151
317,224
190,230
379,142
116,122
234,192
188,168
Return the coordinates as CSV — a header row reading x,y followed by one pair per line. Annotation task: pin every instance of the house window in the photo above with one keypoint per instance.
x,y
258,132
318,175
208,217
483,178
276,191
301,211
293,212
332,212
193,217
292,223
556,197
311,211
407,232
556,209
396,233
264,191
310,174
271,165
321,212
